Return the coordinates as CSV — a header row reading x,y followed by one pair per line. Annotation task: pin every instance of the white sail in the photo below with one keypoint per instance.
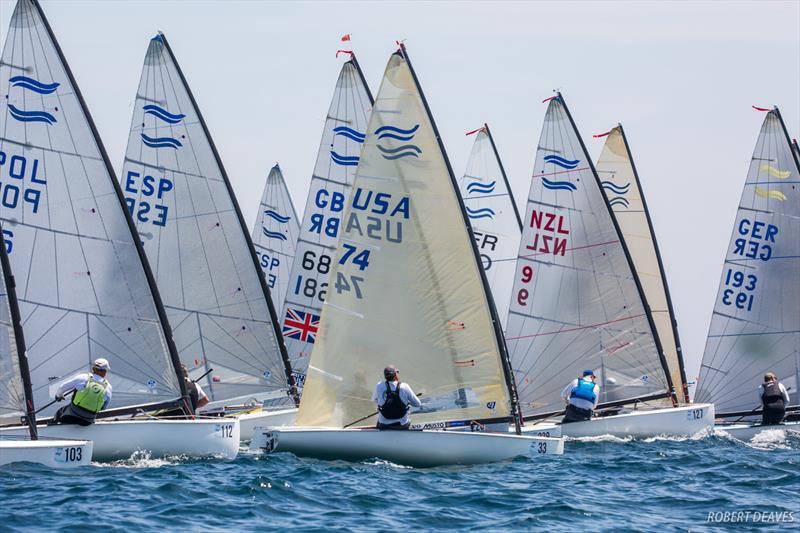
x,y
275,235
755,327
494,217
406,284
576,303
191,227
621,183
328,195
12,392
82,281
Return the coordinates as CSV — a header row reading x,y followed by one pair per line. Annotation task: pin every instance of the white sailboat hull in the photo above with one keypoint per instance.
x,y
672,422
250,421
427,448
119,439
748,432
55,453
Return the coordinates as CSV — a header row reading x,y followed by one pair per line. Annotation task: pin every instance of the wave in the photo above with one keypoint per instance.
x,y
775,172
768,193
163,114
350,133
34,85
161,142
481,188
559,185
344,160
273,234
406,150
561,162
483,212
613,187
31,116
619,200
277,216
393,132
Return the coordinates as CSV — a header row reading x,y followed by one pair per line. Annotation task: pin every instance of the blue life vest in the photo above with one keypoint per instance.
x,y
584,391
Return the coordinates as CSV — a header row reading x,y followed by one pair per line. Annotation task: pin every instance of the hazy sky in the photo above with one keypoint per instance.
x,y
680,76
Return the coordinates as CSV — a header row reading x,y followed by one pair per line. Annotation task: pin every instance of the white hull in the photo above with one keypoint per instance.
x,y
261,419
119,439
426,448
747,432
683,421
55,453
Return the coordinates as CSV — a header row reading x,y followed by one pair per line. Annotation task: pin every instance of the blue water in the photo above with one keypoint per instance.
x,y
670,485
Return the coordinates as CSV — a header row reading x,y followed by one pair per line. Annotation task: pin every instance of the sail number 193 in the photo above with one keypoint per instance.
x,y
739,289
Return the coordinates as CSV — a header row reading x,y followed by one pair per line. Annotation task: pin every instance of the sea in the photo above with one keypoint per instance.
x,y
705,483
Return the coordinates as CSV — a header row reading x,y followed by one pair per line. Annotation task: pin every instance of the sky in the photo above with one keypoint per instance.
x,y
680,76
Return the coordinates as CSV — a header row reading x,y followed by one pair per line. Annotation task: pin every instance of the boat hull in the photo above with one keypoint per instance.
x,y
684,421
427,448
746,432
119,439
250,421
55,453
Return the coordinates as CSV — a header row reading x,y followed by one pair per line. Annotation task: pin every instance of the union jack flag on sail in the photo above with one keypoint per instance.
x,y
300,325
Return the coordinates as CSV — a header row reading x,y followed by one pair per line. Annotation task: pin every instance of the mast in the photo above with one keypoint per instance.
x,y
503,172
19,339
501,343
173,351
260,273
629,260
673,322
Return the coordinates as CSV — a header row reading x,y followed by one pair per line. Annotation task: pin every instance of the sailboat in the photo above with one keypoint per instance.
x,y
84,286
578,302
16,395
493,216
215,294
275,235
407,288
755,327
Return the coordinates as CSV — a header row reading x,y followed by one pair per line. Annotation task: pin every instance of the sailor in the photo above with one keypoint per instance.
x,y
92,394
581,397
197,395
393,399
774,398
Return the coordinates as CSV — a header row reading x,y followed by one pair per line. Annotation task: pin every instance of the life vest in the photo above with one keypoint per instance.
x,y
194,395
393,407
772,397
92,396
584,390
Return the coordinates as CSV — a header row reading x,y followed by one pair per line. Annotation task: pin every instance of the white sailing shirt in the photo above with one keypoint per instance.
x,y
784,392
580,402
80,381
406,394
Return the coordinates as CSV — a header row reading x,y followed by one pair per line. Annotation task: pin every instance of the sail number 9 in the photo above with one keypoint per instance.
x,y
523,294
745,283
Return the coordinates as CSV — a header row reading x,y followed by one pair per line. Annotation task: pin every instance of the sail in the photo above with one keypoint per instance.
x,y
406,285
755,327
191,227
275,235
576,302
12,389
84,288
328,194
494,217
621,183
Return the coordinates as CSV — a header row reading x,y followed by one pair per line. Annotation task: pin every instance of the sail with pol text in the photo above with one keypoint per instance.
x,y
275,235
493,216
755,327
576,302
406,284
622,187
328,195
192,229
84,287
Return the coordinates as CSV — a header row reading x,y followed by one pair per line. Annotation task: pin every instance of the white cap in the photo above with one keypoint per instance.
x,y
101,363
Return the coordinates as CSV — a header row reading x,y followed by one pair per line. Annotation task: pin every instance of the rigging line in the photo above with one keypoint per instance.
x,y
265,351
591,326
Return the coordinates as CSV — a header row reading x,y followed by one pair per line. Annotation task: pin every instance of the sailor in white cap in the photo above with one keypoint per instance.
x,y
92,395
393,399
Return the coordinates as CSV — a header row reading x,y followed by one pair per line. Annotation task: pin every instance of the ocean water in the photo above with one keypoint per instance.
x,y
598,484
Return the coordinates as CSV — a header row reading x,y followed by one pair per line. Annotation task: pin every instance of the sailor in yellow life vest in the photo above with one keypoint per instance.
x,y
92,394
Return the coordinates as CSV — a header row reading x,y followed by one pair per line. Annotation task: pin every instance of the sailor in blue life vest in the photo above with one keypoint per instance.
x,y
393,400
774,398
581,397
92,394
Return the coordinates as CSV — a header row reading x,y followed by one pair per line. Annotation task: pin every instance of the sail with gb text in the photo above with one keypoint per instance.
x,y
275,235
192,229
84,286
620,180
755,327
493,216
328,194
406,285
577,302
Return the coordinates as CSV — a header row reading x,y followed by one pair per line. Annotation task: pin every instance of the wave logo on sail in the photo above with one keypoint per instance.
x,y
772,194
559,185
344,160
163,114
300,325
775,172
483,212
477,187
350,133
273,234
619,190
31,84
404,150
31,116
561,162
161,142
277,216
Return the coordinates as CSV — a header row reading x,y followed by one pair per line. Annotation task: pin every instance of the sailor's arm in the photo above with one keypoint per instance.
x,y
107,397
785,394
596,396
412,398
76,382
568,390
202,397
